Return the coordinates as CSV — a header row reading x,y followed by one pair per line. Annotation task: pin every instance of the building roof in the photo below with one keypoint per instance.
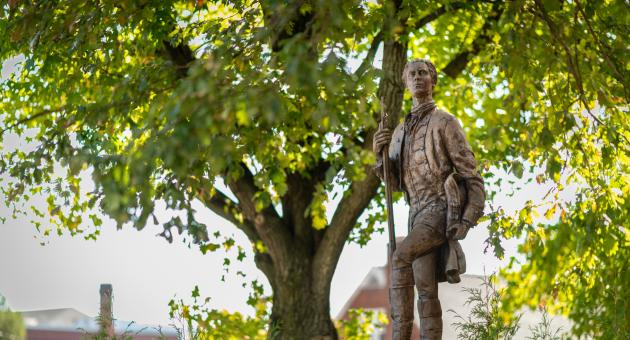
x,y
69,319
60,317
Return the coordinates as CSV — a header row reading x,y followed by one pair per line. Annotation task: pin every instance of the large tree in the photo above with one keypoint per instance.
x,y
261,110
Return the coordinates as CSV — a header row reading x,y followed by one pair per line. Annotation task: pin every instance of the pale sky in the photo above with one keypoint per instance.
x,y
146,271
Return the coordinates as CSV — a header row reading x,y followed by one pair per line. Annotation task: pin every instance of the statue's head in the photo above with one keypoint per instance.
x,y
420,77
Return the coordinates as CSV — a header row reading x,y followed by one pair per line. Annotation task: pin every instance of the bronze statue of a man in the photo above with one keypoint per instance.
x,y
433,164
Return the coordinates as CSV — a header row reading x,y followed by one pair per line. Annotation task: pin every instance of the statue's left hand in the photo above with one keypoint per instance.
x,y
457,231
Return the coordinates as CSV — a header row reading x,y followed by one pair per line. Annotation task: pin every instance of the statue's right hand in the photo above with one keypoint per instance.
x,y
382,137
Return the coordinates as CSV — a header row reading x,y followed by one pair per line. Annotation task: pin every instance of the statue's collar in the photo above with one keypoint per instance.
x,y
421,110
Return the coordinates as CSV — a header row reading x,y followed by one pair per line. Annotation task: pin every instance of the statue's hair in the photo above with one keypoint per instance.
x,y
426,62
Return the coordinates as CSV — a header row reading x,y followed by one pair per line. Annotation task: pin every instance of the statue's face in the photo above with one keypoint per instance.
x,y
418,80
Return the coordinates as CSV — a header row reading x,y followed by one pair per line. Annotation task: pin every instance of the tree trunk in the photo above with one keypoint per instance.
x,y
299,311
299,314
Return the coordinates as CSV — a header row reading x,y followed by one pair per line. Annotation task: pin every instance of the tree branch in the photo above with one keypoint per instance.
x,y
285,21
269,226
460,61
344,219
299,195
369,58
265,264
440,11
181,55
557,36
89,108
229,210
28,119
226,208
605,49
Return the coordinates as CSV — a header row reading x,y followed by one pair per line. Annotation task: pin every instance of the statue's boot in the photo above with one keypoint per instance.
x,y
430,313
401,300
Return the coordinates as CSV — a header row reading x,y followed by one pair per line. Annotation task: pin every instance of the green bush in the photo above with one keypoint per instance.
x,y
11,323
487,320
361,324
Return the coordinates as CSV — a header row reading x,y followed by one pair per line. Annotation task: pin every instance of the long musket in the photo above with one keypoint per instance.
x,y
388,189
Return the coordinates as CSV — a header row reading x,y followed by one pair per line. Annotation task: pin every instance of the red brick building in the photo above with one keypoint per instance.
x,y
373,294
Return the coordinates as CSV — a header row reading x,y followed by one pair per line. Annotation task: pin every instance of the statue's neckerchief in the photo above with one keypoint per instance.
x,y
417,113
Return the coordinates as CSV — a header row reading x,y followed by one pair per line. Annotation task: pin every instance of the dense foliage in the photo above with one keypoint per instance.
x,y
263,110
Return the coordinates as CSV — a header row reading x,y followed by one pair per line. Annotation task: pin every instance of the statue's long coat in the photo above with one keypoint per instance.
x,y
447,152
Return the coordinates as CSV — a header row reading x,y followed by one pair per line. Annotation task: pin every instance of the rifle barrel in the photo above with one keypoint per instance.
x,y
388,189
388,198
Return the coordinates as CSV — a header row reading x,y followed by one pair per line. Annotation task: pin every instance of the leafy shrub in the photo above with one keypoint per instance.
x,y
486,319
361,324
11,323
